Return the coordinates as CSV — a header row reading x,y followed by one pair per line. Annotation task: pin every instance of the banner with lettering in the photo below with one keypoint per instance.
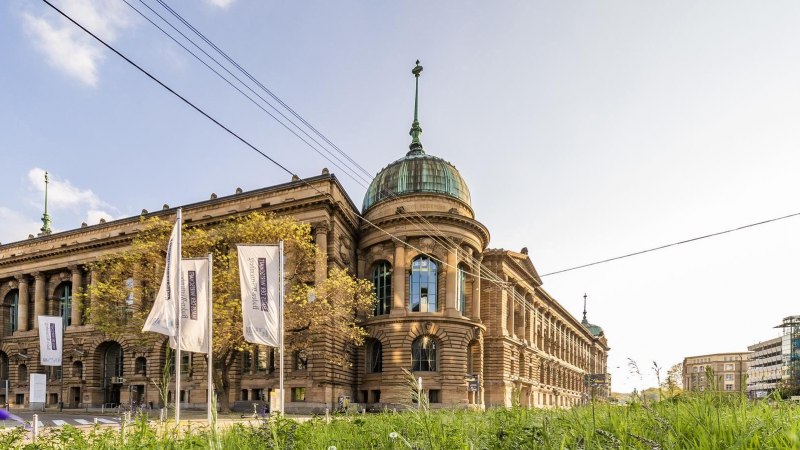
x,y
194,306
162,316
259,276
51,337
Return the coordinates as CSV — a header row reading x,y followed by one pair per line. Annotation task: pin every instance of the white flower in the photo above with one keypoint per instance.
x,y
393,435
332,447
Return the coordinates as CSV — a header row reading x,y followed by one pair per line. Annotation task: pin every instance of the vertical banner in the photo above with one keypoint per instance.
x,y
51,338
38,388
194,306
162,316
259,276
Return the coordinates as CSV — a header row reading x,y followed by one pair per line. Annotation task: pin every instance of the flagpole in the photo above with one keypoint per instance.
x,y
280,326
178,300
210,340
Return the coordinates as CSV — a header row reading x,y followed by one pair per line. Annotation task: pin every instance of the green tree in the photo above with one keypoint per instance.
x,y
125,284
673,384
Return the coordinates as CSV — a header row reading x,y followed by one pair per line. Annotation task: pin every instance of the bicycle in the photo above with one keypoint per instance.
x,y
261,415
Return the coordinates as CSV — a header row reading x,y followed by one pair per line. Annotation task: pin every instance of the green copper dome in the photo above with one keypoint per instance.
x,y
416,173
594,329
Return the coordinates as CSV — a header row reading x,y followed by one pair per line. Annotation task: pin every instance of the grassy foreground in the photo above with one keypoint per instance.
x,y
697,422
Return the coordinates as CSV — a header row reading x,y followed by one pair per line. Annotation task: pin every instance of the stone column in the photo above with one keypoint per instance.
x,y
505,315
39,298
22,312
531,332
524,311
476,289
77,309
451,284
321,239
399,279
361,268
511,307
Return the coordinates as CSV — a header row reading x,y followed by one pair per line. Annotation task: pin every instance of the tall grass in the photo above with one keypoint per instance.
x,y
708,421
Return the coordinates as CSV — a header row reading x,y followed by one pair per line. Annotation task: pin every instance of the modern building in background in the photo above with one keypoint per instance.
x,y
473,322
766,367
724,372
776,363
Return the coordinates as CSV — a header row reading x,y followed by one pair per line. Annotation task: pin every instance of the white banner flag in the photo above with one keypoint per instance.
x,y
259,275
38,388
51,338
194,306
162,316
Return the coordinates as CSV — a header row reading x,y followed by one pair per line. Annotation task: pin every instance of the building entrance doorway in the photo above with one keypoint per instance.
x,y
111,358
74,397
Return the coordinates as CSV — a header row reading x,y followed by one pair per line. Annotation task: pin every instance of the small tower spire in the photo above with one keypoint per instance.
x,y
584,310
45,217
416,130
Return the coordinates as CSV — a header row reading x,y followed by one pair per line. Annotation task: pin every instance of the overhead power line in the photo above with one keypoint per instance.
x,y
661,247
352,172
489,276
228,130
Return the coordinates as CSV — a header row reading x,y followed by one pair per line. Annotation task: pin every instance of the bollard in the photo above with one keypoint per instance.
x,y
327,415
35,426
95,420
122,425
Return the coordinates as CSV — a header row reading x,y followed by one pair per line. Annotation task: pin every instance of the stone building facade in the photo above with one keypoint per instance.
x,y
474,323
724,372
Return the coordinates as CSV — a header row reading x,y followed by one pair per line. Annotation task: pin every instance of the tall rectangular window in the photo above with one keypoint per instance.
x,y
422,284
247,361
65,304
382,283
13,312
461,290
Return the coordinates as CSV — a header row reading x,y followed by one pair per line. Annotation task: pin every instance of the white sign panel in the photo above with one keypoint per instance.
x,y
259,276
162,316
194,306
51,337
38,387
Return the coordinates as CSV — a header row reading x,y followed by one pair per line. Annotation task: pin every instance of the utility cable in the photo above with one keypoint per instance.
x,y
661,247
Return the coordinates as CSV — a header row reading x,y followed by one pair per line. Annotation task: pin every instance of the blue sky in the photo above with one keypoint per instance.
x,y
584,130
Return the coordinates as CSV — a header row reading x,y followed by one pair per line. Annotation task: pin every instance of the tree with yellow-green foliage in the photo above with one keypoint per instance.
x,y
125,284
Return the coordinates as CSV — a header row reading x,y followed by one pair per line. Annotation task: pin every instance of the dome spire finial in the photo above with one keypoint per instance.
x,y
45,230
584,309
416,130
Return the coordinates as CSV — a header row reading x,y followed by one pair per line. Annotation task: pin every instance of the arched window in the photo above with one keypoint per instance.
x,y
12,301
113,360
140,366
77,370
65,304
22,373
300,360
374,356
423,354
382,282
422,285
461,289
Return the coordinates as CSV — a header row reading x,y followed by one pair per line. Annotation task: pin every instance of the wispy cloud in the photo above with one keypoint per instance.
x,y
68,48
15,226
224,4
62,194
